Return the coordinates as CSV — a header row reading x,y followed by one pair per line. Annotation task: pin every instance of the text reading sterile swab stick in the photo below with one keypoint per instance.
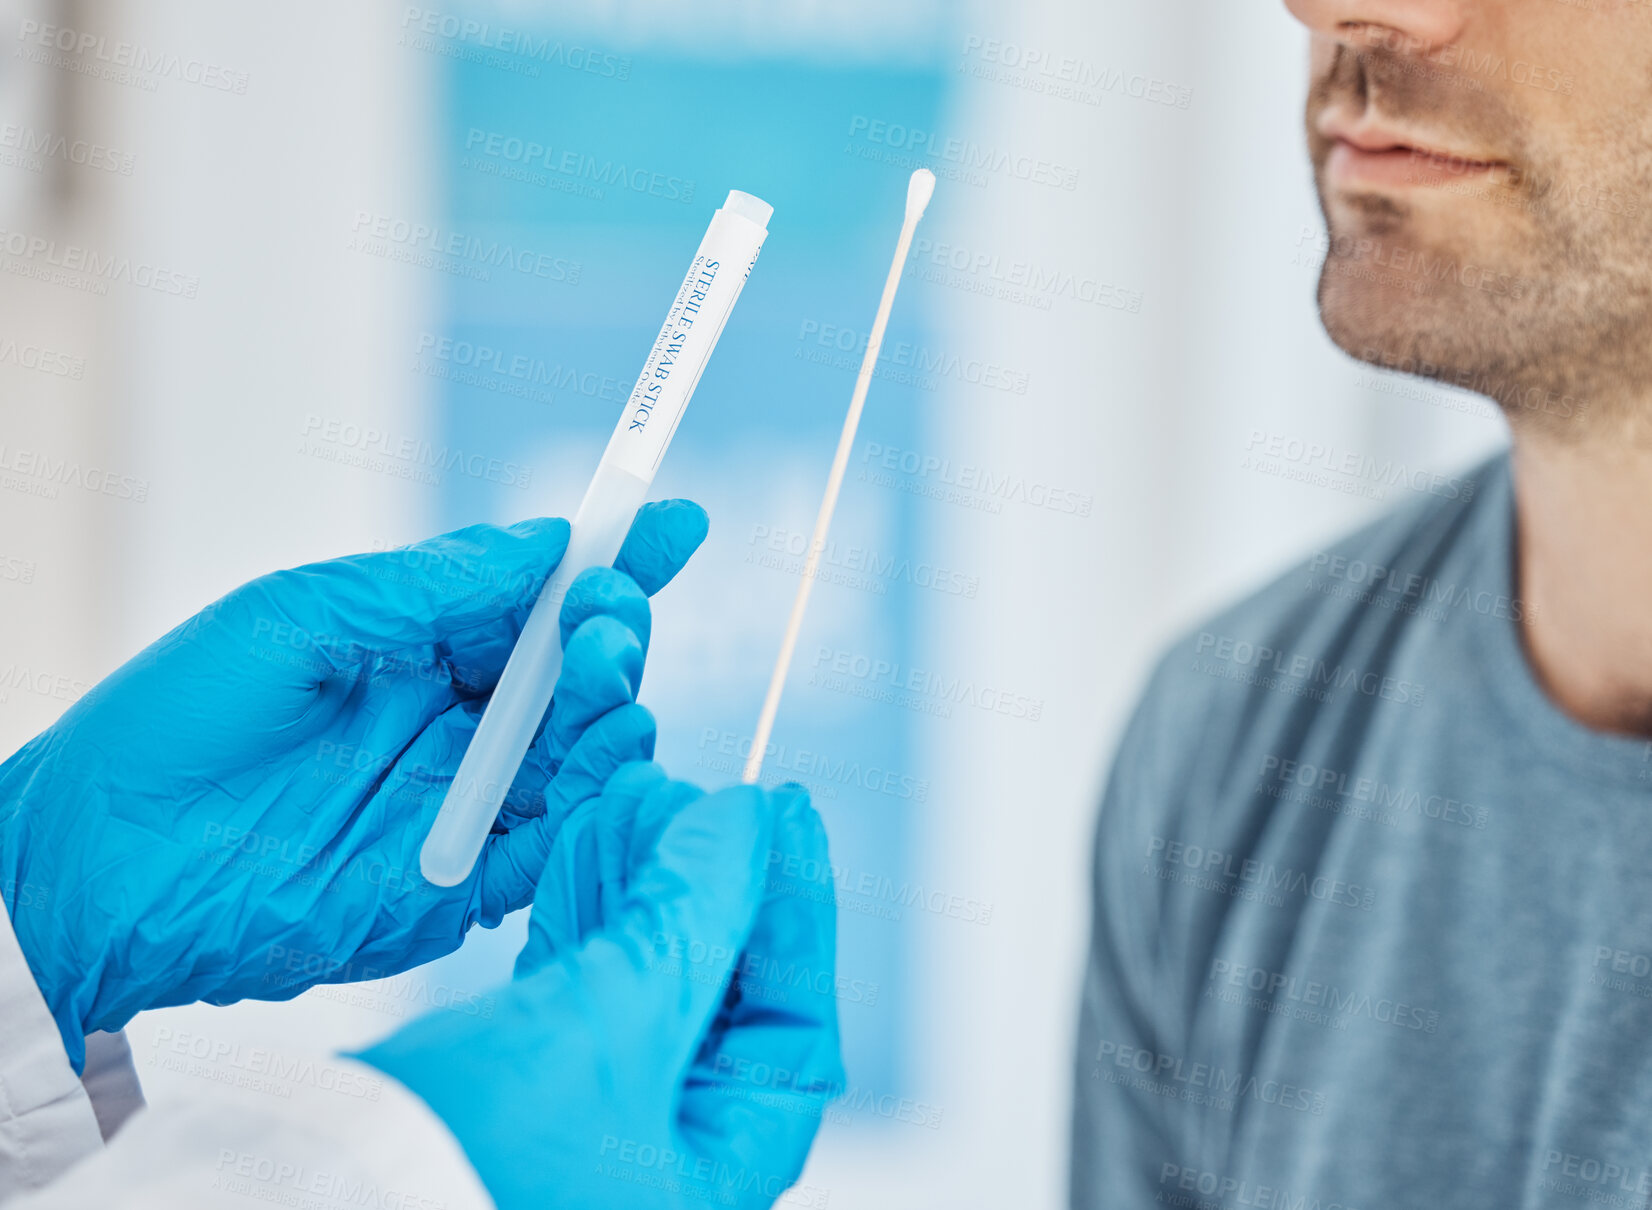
x,y
918,192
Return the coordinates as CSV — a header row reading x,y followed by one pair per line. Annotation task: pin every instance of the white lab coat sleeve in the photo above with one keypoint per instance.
x,y
47,1123
111,1081
312,1145
314,1148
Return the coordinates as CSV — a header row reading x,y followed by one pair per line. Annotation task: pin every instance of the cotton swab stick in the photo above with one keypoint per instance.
x,y
918,192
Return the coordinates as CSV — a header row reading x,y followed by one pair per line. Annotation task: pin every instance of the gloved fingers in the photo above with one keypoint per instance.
x,y
461,597
601,669
418,780
369,739
413,786
603,590
795,931
526,799
513,861
375,837
599,694
688,909
641,836
771,1063
585,859
587,856
664,535
652,817
601,754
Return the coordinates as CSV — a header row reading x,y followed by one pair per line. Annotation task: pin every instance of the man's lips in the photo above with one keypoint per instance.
x,y
1350,166
1366,155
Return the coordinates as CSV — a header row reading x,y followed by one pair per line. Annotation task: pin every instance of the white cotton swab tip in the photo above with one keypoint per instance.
x,y
918,192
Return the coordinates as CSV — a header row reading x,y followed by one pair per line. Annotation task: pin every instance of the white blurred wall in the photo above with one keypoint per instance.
x,y
203,401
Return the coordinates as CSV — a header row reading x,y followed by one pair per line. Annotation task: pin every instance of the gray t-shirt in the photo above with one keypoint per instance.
x,y
1373,918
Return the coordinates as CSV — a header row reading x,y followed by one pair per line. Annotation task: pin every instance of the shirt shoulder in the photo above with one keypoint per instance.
x,y
1326,643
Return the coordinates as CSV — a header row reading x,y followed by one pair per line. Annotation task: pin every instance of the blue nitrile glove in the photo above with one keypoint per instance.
x,y
237,811
670,1038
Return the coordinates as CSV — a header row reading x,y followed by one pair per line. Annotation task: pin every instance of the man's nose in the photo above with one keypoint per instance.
x,y
1403,26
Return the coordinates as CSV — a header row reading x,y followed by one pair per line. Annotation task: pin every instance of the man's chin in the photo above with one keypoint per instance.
x,y
1383,317
1456,339
1389,295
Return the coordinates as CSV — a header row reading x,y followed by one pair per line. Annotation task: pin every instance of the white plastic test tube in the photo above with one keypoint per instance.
x,y
619,487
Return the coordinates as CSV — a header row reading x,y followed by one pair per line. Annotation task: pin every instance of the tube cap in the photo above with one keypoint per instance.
x,y
750,206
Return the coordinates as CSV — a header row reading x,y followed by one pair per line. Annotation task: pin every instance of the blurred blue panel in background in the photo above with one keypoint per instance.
x,y
611,184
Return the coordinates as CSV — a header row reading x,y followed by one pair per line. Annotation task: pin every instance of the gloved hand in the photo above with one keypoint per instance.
x,y
670,1037
237,811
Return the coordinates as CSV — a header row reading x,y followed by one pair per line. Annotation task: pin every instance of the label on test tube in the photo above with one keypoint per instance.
x,y
698,313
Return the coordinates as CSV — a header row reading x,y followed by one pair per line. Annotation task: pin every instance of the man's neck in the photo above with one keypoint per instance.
x,y
1584,553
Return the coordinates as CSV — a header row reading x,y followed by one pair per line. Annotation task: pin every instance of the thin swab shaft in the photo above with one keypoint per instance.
x,y
834,481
